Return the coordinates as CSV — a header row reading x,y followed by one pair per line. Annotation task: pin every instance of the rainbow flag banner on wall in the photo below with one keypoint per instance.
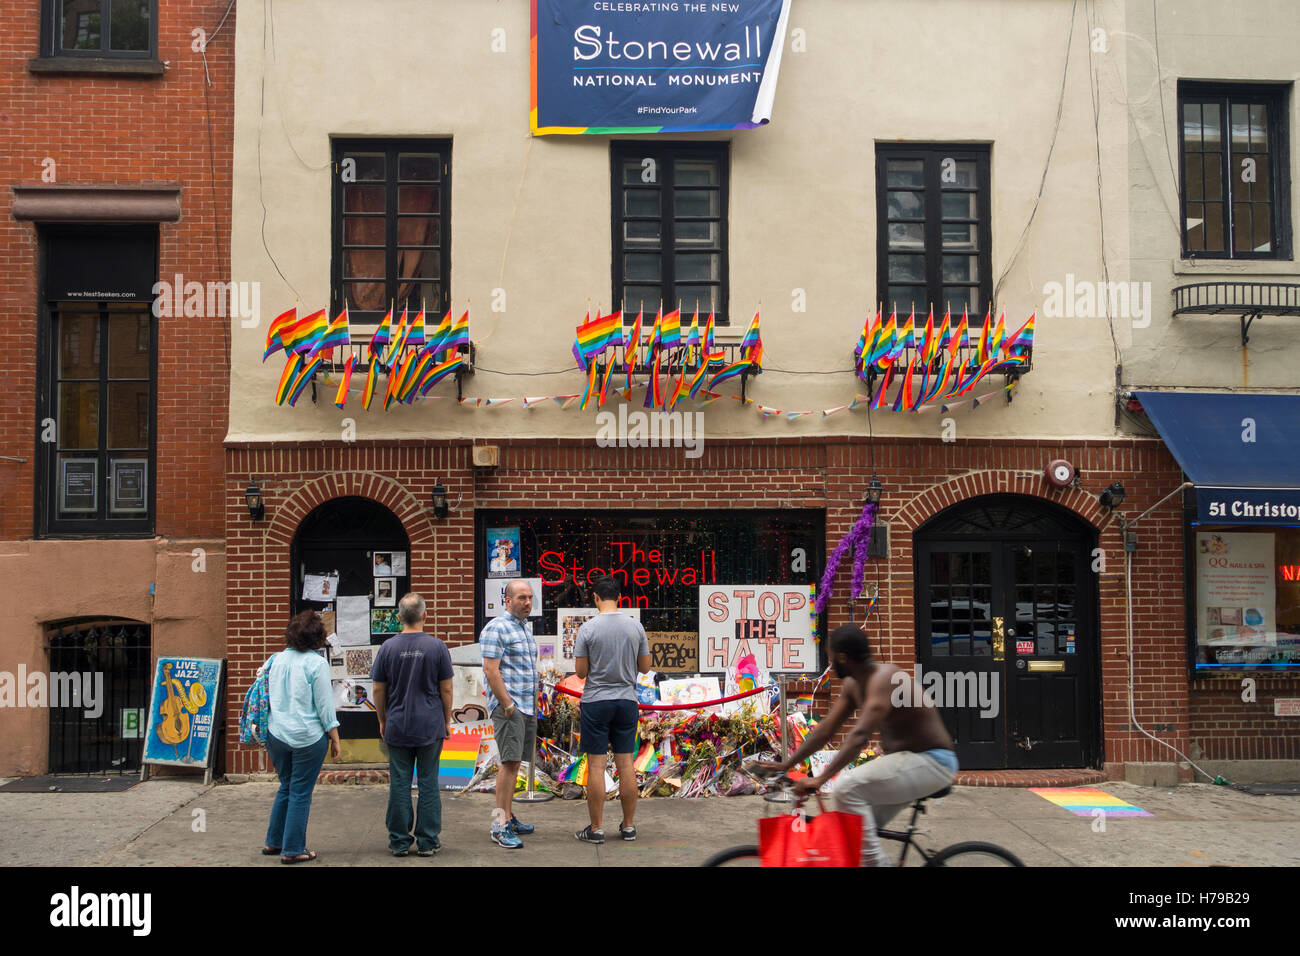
x,y
1084,801
459,757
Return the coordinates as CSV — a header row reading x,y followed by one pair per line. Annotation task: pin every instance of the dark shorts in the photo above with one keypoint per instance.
x,y
606,722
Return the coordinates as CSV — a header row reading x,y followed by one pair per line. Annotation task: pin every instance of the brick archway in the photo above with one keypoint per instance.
x,y
290,512
924,506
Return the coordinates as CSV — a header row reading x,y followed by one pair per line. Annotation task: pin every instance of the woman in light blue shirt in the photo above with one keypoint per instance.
x,y
302,718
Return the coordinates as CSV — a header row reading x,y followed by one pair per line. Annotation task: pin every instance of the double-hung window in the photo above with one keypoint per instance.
x,y
391,228
932,228
1234,145
99,28
670,228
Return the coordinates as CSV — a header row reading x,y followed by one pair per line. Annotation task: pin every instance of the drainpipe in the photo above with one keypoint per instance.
x,y
1128,589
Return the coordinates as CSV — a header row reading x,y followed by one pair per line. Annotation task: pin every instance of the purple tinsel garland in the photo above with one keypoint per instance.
x,y
856,539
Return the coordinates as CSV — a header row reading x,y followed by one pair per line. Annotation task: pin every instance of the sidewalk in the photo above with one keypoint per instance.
x,y
172,823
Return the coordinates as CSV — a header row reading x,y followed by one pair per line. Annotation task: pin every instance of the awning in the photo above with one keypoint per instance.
x,y
1241,450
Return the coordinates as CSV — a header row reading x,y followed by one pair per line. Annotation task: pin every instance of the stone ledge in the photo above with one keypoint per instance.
x,y
1029,778
112,66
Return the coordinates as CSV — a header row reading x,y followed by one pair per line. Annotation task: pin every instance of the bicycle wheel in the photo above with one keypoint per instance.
x,y
974,854
735,856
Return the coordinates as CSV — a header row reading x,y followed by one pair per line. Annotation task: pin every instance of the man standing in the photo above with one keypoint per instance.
x,y
611,649
918,761
412,678
510,669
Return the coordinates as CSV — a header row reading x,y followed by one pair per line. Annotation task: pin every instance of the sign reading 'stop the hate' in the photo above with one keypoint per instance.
x,y
651,66
775,623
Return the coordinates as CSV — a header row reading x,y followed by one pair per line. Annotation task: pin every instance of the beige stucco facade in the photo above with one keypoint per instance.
x,y
531,216
1201,40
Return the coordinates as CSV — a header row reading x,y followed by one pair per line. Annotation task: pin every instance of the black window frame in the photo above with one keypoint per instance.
x,y
390,147
1274,97
51,14
664,155
932,156
47,524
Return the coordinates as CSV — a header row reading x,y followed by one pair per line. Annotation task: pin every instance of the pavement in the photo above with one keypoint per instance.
x,y
169,822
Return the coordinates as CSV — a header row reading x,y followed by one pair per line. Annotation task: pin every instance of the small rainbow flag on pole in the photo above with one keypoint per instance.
x,y
341,398
647,761
575,772
280,326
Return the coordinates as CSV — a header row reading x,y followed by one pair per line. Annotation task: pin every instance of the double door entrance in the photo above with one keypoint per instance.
x,y
1007,632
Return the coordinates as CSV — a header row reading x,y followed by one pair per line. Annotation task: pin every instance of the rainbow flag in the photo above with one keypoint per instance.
x,y
1023,339
459,334
999,335
652,340
415,334
336,335
631,346
604,382
868,335
341,398
300,338
804,700
280,325
458,760
879,401
576,772
670,330
945,333
984,336
589,388
436,374
882,347
692,338
729,371
904,338
301,381
437,338
751,338
372,378
930,345
577,343
287,377
399,340
698,380
381,336
595,336
647,760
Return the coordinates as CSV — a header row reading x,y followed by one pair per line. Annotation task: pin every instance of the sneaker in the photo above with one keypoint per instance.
x,y
431,851
523,829
588,835
405,852
627,833
505,837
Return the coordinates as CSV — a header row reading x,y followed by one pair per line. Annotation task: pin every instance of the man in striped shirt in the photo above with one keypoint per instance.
x,y
510,669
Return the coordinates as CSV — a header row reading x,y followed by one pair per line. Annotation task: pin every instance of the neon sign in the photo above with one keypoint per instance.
x,y
646,567
1289,572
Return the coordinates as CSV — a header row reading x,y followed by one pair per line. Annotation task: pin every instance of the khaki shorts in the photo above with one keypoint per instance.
x,y
513,734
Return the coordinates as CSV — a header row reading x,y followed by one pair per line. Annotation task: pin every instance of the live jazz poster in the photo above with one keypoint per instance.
x,y
181,711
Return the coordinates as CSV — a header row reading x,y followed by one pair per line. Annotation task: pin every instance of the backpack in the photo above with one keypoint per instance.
x,y
255,715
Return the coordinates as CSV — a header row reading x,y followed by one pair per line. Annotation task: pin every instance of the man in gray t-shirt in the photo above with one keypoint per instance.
x,y
611,649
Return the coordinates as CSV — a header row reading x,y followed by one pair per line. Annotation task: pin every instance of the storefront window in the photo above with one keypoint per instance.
x,y
660,560
1246,598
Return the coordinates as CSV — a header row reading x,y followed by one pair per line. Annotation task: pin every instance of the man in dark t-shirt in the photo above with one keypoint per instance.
x,y
412,678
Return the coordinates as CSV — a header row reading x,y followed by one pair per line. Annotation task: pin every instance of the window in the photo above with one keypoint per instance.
x,y
100,28
98,379
670,228
1233,143
391,227
932,236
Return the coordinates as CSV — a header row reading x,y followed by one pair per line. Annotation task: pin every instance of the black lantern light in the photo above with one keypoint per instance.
x,y
440,507
1112,497
873,492
253,498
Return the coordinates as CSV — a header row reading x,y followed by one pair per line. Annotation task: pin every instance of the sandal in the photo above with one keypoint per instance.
x,y
305,858
270,851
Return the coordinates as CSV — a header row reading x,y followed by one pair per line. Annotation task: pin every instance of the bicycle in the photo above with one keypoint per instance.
x,y
967,853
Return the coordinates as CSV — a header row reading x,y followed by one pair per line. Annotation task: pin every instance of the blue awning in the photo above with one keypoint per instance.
x,y
1241,450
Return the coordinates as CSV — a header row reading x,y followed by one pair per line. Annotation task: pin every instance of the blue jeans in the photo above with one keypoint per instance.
x,y
298,768
428,815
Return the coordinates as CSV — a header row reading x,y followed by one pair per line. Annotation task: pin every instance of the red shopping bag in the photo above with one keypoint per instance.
x,y
829,839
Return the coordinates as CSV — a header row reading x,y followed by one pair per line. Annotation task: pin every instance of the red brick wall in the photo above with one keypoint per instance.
x,y
920,479
1225,727
125,131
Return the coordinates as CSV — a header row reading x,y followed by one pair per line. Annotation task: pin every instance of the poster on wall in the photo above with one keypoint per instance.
x,y
320,587
568,620
353,618
185,691
674,652
654,67
691,690
78,485
775,623
385,592
494,596
353,694
503,552
1236,593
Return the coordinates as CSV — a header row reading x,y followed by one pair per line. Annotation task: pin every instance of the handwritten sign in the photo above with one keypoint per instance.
x,y
775,623
674,652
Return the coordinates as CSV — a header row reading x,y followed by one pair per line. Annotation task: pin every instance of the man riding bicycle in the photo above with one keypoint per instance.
x,y
918,760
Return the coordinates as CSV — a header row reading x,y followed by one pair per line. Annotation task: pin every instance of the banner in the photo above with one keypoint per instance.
x,y
181,711
618,66
775,623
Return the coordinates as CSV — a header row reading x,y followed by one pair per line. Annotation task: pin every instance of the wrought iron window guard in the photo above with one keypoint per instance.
x,y
1247,300
360,352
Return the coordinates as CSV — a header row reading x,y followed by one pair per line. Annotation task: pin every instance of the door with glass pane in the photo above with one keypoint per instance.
x,y
1007,632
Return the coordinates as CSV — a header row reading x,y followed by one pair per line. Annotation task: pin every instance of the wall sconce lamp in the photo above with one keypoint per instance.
x,y
253,498
440,507
1112,497
873,492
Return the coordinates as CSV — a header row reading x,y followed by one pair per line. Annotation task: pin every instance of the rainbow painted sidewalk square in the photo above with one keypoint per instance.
x,y
1085,801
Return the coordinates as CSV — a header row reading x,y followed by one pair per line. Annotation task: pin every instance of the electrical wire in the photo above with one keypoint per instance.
x,y
261,116
1095,92
1160,88
1060,107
